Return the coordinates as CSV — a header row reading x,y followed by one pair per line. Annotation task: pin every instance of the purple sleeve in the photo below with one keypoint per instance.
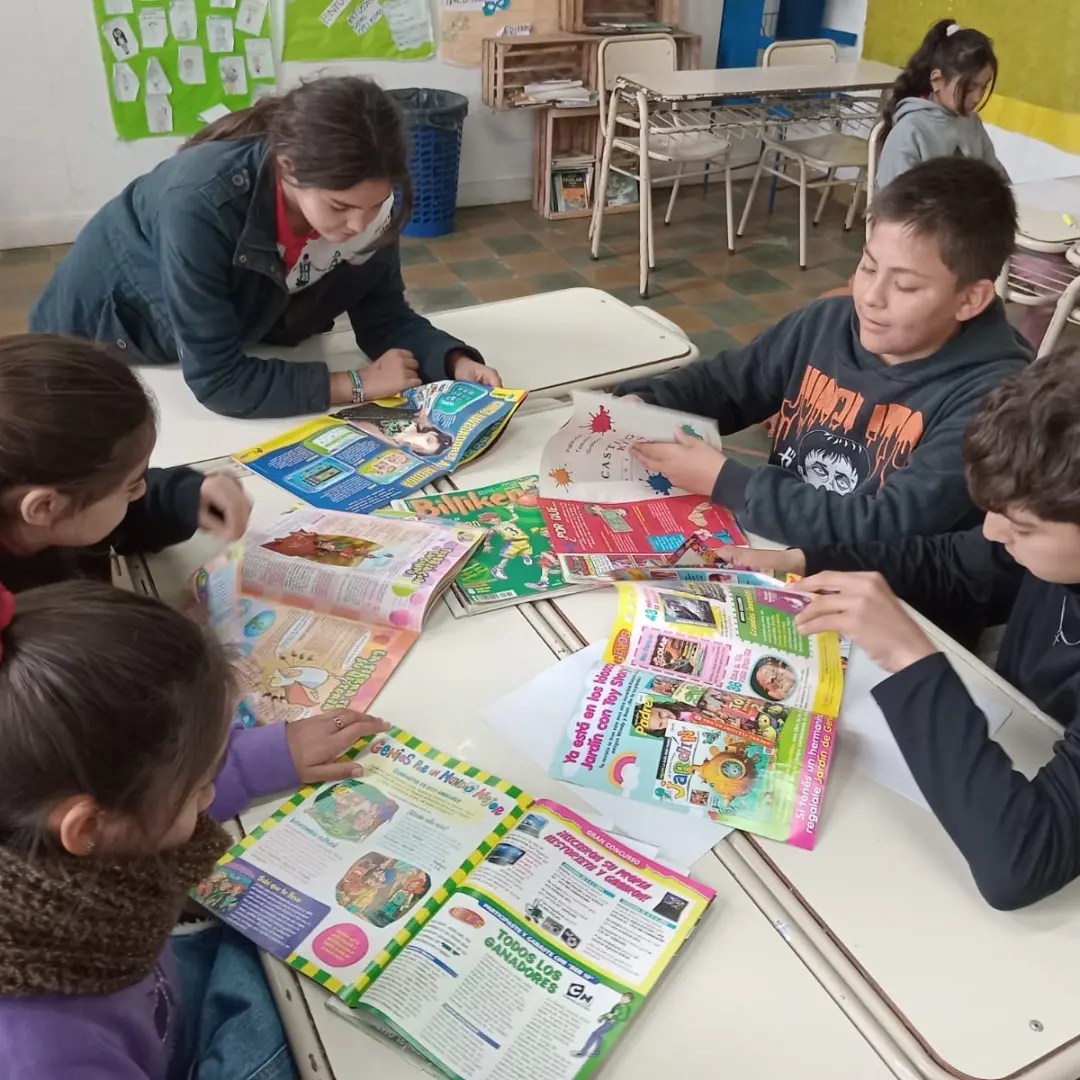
x,y
257,763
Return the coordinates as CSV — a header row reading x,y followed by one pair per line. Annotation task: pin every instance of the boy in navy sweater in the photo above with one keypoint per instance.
x,y
873,390
1021,837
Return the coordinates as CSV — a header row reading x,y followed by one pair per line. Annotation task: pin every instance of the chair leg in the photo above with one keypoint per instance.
x,y
652,238
729,205
802,215
750,195
674,192
1066,302
600,197
644,198
849,221
829,178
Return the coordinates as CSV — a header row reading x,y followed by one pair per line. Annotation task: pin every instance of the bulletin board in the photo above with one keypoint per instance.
x,y
463,25
170,67
352,29
1038,87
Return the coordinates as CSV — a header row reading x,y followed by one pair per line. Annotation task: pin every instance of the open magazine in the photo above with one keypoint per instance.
x,y
497,935
711,705
323,606
362,457
604,510
515,562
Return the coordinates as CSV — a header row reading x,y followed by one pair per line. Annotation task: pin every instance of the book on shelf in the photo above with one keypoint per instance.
x,y
495,934
622,190
320,606
571,189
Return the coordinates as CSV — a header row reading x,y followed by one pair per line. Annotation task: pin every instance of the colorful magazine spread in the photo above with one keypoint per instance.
x,y
711,705
497,935
604,510
363,457
323,606
515,563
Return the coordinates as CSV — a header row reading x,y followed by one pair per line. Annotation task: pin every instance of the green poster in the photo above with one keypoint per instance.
x,y
347,29
167,63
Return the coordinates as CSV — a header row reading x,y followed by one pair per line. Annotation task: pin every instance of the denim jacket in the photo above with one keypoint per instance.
x,y
183,265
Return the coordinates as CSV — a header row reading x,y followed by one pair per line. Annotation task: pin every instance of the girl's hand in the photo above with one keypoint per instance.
x,y
464,368
224,507
394,371
766,561
316,743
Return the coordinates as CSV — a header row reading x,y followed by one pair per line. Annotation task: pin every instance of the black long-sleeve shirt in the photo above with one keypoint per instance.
x,y
1020,837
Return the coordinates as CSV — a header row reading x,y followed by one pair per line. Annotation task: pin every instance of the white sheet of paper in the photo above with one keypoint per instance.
x,y
223,4
260,58
233,75
862,729
251,16
532,718
183,20
125,82
364,16
153,28
121,38
219,34
410,22
333,12
119,7
157,82
192,65
159,116
215,112
262,90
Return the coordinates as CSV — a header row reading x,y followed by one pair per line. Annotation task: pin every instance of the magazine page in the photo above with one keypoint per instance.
x,y
742,640
720,755
515,562
343,874
362,457
535,965
384,570
594,539
589,458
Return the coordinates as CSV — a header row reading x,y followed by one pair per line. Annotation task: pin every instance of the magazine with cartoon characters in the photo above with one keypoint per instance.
x,y
711,705
494,934
604,510
515,563
362,457
323,606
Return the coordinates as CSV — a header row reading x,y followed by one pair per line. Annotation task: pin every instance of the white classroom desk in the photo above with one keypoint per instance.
x,y
439,692
1041,208
884,911
547,344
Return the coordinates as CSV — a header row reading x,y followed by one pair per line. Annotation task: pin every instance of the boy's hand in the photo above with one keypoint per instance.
x,y
687,462
633,397
863,608
765,560
394,371
224,507
316,742
464,368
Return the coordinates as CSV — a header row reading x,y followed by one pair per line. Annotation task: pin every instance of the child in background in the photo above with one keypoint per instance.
x,y
76,433
265,227
933,111
1021,837
874,390
116,760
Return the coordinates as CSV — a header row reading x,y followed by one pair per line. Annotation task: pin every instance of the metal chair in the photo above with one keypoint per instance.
x,y
873,149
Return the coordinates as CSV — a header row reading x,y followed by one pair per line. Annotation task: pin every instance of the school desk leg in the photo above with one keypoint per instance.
x,y
802,215
644,197
729,205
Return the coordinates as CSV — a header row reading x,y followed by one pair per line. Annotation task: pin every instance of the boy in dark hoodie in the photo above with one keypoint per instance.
x,y
1021,837
873,390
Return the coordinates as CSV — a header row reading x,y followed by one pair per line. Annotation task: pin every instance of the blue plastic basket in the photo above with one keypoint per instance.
x,y
435,119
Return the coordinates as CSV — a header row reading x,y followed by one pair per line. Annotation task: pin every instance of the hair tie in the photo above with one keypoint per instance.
x,y
953,29
7,612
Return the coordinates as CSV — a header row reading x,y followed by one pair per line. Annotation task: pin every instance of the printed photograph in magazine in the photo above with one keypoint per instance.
x,y
362,457
515,562
605,511
711,705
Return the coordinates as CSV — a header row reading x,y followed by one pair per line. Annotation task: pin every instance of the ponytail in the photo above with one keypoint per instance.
x,y
956,52
336,133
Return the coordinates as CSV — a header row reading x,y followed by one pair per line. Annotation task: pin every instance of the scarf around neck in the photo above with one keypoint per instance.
x,y
95,924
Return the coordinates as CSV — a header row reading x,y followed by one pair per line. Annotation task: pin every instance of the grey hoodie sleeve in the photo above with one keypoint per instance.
x,y
900,153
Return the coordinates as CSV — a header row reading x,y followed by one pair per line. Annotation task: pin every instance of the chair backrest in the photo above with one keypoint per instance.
x,y
873,152
806,51
633,54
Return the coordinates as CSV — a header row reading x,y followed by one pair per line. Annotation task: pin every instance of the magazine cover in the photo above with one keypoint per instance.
x,y
362,457
515,563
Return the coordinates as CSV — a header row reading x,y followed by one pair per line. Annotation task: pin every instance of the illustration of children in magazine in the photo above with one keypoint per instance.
x,y
352,810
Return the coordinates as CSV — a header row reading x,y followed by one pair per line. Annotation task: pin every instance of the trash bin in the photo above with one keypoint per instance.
x,y
434,119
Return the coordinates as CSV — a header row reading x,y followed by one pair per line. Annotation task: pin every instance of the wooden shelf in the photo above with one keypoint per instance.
x,y
584,15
